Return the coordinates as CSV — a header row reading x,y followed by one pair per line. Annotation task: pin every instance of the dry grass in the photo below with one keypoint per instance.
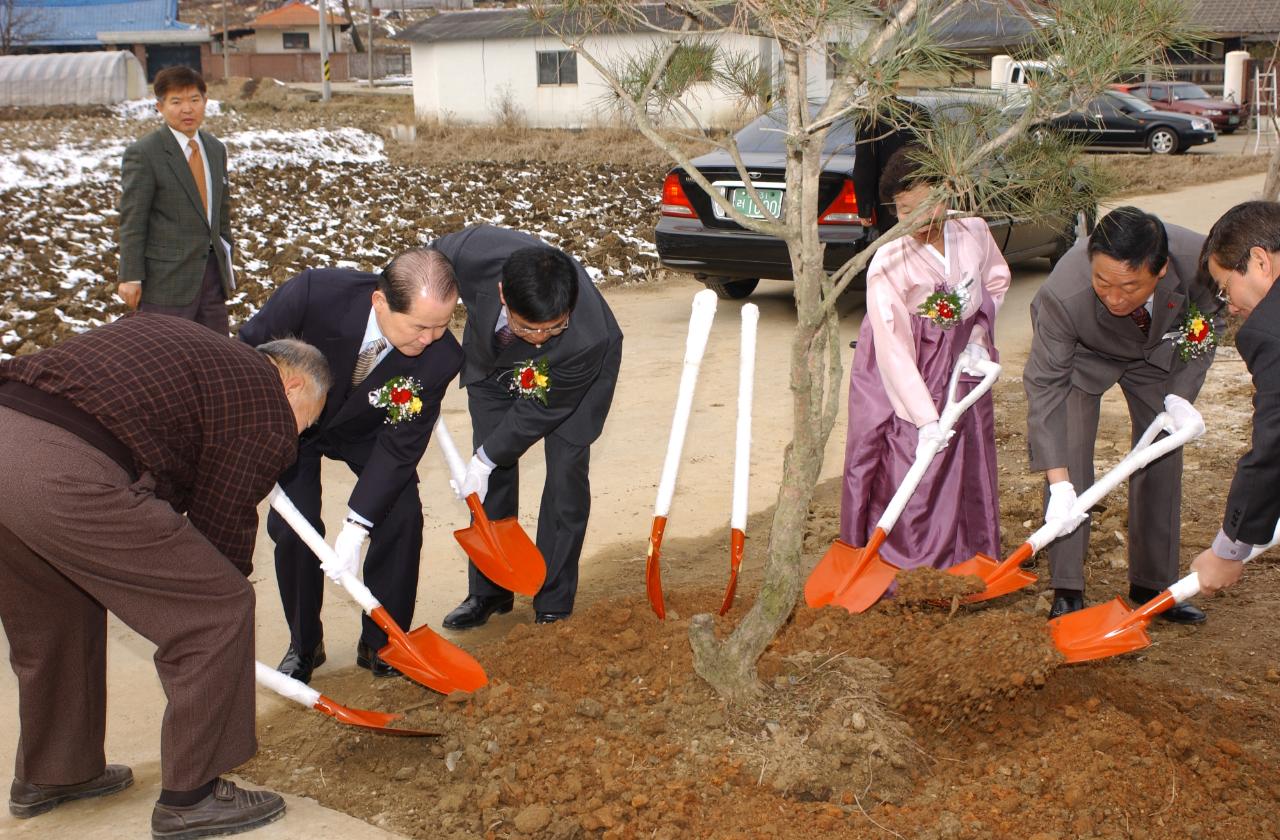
x,y
1142,174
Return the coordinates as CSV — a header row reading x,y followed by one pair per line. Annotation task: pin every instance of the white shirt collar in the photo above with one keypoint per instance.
x,y
183,139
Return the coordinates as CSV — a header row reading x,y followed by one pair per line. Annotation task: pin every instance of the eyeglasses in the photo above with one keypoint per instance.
x,y
523,331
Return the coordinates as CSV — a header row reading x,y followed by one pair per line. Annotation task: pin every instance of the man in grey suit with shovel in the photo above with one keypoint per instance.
x,y
1111,313
175,226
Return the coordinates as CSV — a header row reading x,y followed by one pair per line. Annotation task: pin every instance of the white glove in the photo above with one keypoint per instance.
x,y
476,480
931,433
1062,498
346,549
1183,413
973,353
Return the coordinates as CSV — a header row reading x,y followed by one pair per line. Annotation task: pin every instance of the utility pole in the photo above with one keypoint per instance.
x,y
370,40
226,56
324,53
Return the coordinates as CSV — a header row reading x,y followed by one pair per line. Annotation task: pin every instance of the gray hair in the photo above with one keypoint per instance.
x,y
418,271
294,356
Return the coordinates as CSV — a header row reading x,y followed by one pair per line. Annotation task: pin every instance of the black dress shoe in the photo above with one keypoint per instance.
x,y
1066,601
1181,614
367,658
475,611
29,800
300,665
549,617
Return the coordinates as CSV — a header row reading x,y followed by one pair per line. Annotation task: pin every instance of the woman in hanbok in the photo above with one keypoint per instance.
x,y
931,296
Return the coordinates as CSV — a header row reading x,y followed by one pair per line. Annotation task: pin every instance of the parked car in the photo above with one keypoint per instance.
x,y
1117,120
1186,98
695,236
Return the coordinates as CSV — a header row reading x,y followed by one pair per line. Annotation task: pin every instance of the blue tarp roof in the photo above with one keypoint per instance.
x,y
78,22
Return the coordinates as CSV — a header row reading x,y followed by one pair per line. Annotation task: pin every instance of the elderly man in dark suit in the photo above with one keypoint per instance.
x,y
386,338
175,211
1242,254
133,488
531,307
1110,314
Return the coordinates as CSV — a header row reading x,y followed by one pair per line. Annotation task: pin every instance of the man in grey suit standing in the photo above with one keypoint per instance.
x,y
1242,254
1109,314
541,357
175,227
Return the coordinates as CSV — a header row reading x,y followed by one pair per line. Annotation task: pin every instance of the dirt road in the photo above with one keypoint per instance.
x,y
626,465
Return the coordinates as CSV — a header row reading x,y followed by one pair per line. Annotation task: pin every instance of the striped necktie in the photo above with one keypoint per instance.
x,y
364,362
1142,318
502,337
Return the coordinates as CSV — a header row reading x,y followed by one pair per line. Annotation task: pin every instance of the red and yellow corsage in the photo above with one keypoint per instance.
x,y
1195,335
530,379
401,397
944,308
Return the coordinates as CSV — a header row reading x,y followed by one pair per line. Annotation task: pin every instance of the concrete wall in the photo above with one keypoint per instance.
x,y
272,40
468,81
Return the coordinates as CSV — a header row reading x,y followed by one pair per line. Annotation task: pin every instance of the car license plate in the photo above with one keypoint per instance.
x,y
772,201
1233,119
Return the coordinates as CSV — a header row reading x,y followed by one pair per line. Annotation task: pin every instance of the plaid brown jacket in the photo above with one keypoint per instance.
x,y
205,415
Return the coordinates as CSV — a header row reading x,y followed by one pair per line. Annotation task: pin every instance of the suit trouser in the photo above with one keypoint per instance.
x,y
390,563
77,539
208,308
1155,493
562,515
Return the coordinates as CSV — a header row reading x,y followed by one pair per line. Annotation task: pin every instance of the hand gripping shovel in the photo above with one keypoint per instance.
x,y
300,692
500,548
1111,629
855,578
1008,576
742,451
704,311
422,655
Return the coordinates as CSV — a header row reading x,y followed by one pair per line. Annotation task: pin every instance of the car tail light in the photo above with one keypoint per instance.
x,y
674,201
844,210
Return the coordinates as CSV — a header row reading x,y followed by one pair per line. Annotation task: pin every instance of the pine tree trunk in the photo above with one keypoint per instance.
x,y
356,43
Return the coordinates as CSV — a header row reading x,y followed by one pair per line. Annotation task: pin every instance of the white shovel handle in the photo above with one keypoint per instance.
x,y
704,311
742,445
1146,450
1189,586
284,506
951,412
286,687
457,470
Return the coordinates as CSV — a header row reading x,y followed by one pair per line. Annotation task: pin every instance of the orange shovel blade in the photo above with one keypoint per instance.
x,y
850,577
1000,578
380,721
502,551
1098,632
652,569
737,545
426,658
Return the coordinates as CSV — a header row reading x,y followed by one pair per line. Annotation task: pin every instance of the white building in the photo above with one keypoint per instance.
x,y
470,66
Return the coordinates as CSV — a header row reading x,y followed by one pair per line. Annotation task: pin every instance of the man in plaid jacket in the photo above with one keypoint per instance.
x,y
134,458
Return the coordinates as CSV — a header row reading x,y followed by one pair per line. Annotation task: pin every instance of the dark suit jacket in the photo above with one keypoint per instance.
x,y
1253,505
329,308
584,359
1077,342
206,417
164,235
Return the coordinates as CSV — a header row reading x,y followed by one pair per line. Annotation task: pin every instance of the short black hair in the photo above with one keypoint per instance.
x,y
1133,237
902,172
1253,224
414,272
177,78
540,284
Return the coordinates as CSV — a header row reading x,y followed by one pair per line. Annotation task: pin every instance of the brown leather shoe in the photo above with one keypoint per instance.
x,y
28,800
228,810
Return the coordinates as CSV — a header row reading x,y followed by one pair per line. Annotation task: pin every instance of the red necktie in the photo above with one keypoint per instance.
x,y
1142,318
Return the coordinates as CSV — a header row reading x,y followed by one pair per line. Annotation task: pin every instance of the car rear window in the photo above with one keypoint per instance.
x,y
767,133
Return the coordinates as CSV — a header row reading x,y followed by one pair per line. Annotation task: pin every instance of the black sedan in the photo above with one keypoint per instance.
x,y
695,236
1117,120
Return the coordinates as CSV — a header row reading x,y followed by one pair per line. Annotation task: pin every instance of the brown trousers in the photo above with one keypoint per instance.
x,y
208,308
78,539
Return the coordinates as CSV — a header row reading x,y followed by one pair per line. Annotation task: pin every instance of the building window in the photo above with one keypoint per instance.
x,y
558,68
297,41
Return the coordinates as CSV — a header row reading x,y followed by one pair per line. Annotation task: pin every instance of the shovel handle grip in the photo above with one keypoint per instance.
x,y
289,512
286,686
742,443
1189,586
704,312
457,470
